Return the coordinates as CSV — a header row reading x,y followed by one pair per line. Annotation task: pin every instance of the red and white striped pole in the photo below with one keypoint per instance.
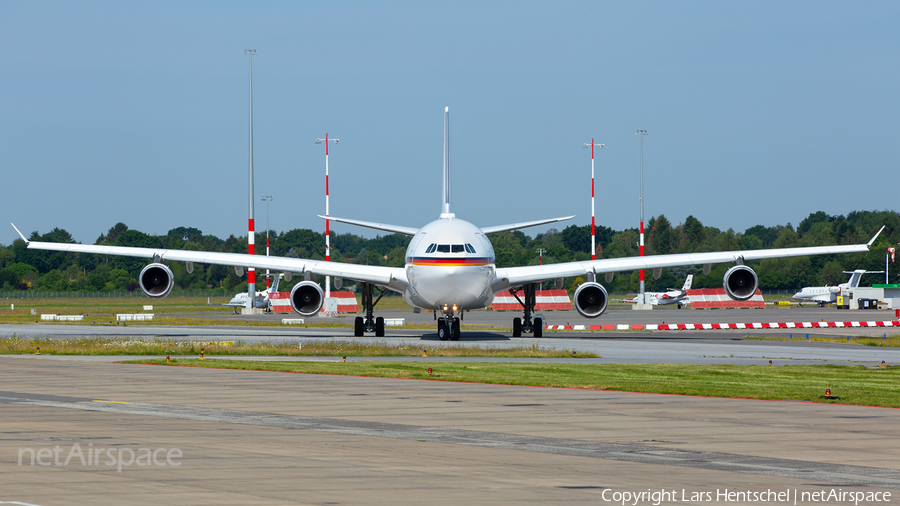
x,y
642,133
267,199
251,272
327,211
593,234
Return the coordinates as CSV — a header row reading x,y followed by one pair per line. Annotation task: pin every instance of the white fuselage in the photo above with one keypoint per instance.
x,y
826,294
663,298
240,300
449,262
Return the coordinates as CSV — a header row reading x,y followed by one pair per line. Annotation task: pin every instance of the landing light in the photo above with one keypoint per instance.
x,y
454,307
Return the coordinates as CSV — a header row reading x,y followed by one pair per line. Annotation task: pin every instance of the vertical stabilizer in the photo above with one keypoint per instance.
x,y
853,282
274,287
687,282
445,203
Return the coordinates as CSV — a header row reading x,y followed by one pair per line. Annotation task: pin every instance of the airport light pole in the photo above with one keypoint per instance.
x,y
540,252
642,134
267,199
593,243
251,239
326,140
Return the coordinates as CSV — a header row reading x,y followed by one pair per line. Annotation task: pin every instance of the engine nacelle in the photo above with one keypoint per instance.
x,y
740,282
307,298
156,281
591,299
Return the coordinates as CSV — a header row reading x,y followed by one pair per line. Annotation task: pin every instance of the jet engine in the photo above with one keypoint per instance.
x,y
307,298
591,299
740,282
156,280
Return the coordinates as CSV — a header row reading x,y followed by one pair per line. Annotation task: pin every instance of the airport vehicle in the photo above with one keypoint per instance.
x,y
824,295
670,296
449,269
239,301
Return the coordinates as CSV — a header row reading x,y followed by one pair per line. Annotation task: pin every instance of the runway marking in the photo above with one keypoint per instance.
x,y
113,402
808,471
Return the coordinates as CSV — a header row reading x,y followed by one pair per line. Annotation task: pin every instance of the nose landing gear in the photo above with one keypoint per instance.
x,y
448,326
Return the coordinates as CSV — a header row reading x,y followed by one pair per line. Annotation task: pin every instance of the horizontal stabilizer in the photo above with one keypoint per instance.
x,y
525,224
396,229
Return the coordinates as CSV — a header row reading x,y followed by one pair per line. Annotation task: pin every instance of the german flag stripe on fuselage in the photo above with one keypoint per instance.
x,y
450,262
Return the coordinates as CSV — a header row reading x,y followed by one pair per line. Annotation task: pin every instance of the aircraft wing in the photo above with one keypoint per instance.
x,y
514,276
396,229
525,224
388,276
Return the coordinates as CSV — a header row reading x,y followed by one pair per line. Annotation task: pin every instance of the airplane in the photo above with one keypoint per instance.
x,y
239,301
450,269
824,295
670,296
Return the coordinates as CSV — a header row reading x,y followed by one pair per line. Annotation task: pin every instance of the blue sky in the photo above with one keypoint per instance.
x,y
757,112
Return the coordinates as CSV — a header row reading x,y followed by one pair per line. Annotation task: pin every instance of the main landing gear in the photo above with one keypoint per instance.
x,y
370,323
448,326
526,324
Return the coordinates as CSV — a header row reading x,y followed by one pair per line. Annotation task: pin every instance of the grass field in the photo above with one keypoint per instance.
x,y
886,340
853,384
172,311
306,348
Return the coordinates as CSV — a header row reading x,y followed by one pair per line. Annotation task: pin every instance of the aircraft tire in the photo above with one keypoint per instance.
x,y
443,330
379,326
454,330
358,329
517,327
538,327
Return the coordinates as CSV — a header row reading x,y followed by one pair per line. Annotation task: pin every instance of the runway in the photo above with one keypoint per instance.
x,y
677,347
249,437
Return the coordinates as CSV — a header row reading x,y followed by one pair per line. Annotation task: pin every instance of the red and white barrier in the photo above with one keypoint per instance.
x,y
346,302
545,300
281,302
780,325
710,298
729,326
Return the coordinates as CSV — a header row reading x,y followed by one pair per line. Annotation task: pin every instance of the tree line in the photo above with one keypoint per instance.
x,y
24,269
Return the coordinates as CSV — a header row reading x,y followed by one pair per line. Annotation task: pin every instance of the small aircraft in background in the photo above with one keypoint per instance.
x,y
824,295
239,301
670,296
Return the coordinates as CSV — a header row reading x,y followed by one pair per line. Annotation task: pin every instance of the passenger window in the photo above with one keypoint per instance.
x,y
469,248
443,248
431,248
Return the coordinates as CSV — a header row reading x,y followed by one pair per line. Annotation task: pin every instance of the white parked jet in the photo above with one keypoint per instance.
x,y
824,295
670,296
239,301
449,269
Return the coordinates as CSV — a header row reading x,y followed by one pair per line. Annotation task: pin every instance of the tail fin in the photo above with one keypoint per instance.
x,y
445,204
687,282
274,287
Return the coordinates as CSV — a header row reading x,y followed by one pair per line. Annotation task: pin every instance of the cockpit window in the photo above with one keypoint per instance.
x,y
469,248
443,248
458,248
431,248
